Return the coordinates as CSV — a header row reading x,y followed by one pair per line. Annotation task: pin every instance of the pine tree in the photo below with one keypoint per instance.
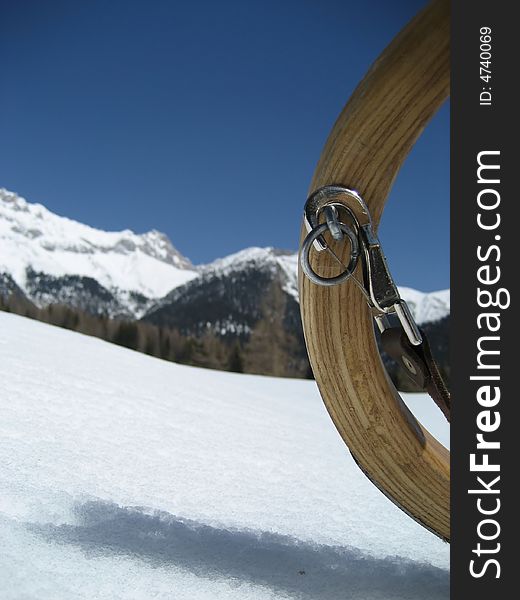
x,y
236,361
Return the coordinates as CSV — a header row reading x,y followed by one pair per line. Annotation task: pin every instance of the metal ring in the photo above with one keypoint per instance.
x,y
306,247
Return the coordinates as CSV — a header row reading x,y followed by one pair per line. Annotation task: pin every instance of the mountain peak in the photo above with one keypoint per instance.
x,y
158,244
13,201
33,237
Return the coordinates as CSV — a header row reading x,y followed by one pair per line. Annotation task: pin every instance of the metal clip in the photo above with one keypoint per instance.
x,y
379,287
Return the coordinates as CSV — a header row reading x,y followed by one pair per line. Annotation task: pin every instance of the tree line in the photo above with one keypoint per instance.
x,y
261,353
268,350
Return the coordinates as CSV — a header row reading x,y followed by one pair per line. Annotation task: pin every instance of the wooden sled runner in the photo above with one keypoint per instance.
x,y
364,151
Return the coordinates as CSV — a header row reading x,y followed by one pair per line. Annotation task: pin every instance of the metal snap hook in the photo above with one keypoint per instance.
x,y
312,236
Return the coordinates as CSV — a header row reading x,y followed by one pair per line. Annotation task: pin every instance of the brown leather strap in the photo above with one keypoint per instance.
x,y
419,364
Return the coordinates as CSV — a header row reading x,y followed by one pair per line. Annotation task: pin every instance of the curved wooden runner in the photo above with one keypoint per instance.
x,y
367,145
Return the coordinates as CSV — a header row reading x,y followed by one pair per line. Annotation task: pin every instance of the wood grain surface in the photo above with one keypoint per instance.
x,y
365,149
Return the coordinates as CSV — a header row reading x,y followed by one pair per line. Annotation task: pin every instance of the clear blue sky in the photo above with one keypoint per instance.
x,y
204,119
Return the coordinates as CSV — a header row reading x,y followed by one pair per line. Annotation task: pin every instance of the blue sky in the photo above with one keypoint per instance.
x,y
205,120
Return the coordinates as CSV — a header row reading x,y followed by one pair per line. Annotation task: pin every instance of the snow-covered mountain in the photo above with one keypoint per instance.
x,y
427,307
229,295
124,476
54,259
258,258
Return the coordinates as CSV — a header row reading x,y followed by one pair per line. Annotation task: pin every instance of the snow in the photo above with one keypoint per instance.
x,y
289,264
252,257
127,477
32,236
258,258
427,307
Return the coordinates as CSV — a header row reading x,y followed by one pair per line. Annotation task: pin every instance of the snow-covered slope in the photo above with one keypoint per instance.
x,y
35,239
127,477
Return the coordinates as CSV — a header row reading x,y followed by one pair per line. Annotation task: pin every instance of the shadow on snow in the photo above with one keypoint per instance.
x,y
284,564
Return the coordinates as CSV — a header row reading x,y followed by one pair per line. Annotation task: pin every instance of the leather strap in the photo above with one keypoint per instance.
x,y
419,364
